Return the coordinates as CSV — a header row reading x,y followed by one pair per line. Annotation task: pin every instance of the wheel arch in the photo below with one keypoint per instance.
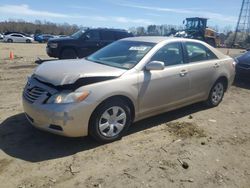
x,y
124,98
224,79
68,47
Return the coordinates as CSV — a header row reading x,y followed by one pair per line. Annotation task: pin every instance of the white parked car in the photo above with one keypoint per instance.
x,y
16,37
1,36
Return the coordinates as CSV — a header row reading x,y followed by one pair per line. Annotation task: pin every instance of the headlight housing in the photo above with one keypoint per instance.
x,y
53,45
68,97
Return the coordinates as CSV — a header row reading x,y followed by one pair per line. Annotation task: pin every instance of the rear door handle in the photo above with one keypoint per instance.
x,y
183,73
216,65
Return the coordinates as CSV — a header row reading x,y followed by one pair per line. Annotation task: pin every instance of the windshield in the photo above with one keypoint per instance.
x,y
78,34
122,54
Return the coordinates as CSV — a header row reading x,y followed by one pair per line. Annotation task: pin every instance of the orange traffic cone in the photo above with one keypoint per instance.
x,y
11,55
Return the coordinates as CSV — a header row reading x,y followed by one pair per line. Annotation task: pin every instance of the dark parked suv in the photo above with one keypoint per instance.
x,y
83,42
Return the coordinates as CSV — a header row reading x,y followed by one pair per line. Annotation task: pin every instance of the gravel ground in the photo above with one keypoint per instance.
x,y
190,147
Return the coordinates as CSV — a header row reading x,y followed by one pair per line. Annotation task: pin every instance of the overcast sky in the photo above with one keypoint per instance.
x,y
121,13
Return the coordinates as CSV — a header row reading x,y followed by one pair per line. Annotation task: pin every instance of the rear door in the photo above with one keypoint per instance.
x,y
20,38
107,37
203,69
168,88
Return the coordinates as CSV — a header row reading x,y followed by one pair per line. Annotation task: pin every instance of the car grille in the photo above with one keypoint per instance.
x,y
34,94
245,66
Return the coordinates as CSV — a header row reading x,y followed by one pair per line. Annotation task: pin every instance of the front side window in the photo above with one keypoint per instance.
x,y
170,54
78,34
122,54
198,52
17,35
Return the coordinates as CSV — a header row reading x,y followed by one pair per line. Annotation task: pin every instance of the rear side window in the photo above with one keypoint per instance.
x,y
107,35
93,35
198,52
170,54
120,35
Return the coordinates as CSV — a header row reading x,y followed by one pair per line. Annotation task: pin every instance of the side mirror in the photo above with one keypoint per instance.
x,y
155,65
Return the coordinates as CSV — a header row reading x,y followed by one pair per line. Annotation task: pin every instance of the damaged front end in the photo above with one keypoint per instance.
x,y
59,109
37,91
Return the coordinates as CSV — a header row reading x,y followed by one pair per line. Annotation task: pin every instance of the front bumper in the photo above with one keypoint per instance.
x,y
69,120
52,52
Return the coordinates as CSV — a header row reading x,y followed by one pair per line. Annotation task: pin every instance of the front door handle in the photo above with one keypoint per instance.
x,y
216,65
183,73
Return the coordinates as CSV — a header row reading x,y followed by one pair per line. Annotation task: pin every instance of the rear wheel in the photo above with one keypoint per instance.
x,y
216,94
10,40
110,121
68,54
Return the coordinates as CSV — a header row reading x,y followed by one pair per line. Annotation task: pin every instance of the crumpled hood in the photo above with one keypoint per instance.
x,y
63,72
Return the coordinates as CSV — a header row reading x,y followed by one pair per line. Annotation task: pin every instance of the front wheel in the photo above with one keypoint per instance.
x,y
110,121
216,94
68,54
9,40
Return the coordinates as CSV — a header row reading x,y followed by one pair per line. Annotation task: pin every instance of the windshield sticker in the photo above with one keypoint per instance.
x,y
138,48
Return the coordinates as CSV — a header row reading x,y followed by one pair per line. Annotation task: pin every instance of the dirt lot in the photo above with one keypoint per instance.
x,y
213,144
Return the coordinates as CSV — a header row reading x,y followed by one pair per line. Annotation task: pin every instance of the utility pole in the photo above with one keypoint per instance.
x,y
243,24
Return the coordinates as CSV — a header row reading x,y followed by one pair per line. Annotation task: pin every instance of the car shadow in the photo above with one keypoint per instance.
x,y
166,117
20,140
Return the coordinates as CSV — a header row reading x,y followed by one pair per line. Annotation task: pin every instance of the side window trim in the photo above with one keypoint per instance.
x,y
184,53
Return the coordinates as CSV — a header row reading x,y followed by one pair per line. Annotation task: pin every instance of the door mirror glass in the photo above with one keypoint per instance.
x,y
155,65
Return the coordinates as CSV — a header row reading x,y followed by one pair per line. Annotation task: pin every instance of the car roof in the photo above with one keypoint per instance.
x,y
158,39
16,34
109,29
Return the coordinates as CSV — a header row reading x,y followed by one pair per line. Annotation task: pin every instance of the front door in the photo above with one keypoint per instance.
x,y
164,89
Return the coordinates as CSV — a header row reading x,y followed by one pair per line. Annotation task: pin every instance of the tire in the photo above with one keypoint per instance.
x,y
10,40
216,94
68,54
28,41
104,127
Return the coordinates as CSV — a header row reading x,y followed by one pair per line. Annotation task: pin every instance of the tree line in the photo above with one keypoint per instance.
x,y
45,27
37,27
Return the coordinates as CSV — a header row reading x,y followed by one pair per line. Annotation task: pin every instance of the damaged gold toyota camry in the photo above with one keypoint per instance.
x,y
131,79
